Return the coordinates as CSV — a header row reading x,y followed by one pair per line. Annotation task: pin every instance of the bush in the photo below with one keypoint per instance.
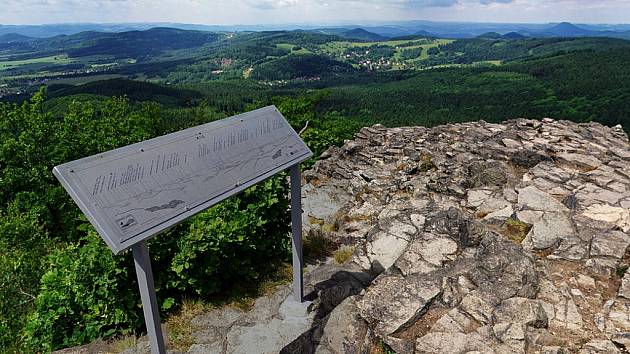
x,y
22,243
60,285
323,131
237,240
86,293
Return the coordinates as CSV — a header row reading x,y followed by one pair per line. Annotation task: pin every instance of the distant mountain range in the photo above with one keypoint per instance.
x,y
495,35
566,29
369,32
119,44
14,38
354,33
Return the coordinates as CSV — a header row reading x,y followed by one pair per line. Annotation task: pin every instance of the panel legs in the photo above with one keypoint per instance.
x,y
296,232
149,300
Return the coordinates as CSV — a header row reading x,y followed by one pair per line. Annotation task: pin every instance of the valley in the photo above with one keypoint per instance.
x,y
173,56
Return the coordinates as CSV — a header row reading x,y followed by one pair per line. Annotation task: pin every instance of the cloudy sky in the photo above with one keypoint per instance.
x,y
311,11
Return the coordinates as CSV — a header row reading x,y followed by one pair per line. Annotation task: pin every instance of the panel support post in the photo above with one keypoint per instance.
x,y
149,300
296,232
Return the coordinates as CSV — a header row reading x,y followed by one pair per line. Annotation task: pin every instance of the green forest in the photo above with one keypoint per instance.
x,y
60,286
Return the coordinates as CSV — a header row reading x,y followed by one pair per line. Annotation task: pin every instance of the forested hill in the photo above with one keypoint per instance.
x,y
118,45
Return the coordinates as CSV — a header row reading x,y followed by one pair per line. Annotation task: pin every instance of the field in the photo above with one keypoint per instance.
x,y
336,48
293,49
55,59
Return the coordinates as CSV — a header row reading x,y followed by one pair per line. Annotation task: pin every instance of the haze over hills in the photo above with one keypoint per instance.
x,y
355,33
14,38
390,30
176,56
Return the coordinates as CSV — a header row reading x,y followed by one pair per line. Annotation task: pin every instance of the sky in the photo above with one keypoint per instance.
x,y
232,12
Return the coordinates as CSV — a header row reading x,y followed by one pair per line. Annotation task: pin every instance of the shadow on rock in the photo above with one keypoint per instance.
x,y
332,285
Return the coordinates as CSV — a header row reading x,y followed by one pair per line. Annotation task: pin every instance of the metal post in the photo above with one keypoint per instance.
x,y
296,232
149,300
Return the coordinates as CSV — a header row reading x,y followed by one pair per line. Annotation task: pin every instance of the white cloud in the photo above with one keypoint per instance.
x,y
272,4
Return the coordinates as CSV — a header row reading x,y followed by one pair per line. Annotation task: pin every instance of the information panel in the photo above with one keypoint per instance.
x,y
135,192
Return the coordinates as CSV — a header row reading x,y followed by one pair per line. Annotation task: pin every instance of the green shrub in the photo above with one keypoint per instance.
x,y
330,130
237,240
322,131
60,285
85,293
22,244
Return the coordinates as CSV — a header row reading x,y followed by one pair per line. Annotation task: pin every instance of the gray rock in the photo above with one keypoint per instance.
x,y
548,228
426,254
622,339
527,158
599,346
591,194
455,321
535,199
216,348
453,343
486,174
567,316
272,335
400,346
503,270
555,350
345,331
507,332
210,336
613,244
619,217
624,289
393,302
549,217
588,282
521,310
385,246
477,307
500,215
582,161
619,316
459,226
321,204
222,317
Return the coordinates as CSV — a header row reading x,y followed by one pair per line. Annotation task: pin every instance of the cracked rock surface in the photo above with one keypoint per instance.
x,y
485,238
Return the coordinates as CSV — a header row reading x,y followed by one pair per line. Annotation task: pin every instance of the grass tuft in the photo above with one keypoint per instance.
x,y
426,163
315,246
621,271
344,254
121,344
179,327
516,230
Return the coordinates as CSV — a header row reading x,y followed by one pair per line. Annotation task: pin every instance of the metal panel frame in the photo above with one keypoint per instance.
x,y
64,173
138,242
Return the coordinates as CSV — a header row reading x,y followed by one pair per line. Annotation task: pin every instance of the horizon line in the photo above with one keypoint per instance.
x,y
324,24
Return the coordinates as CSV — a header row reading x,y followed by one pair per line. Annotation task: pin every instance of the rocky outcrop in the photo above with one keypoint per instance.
x,y
486,238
